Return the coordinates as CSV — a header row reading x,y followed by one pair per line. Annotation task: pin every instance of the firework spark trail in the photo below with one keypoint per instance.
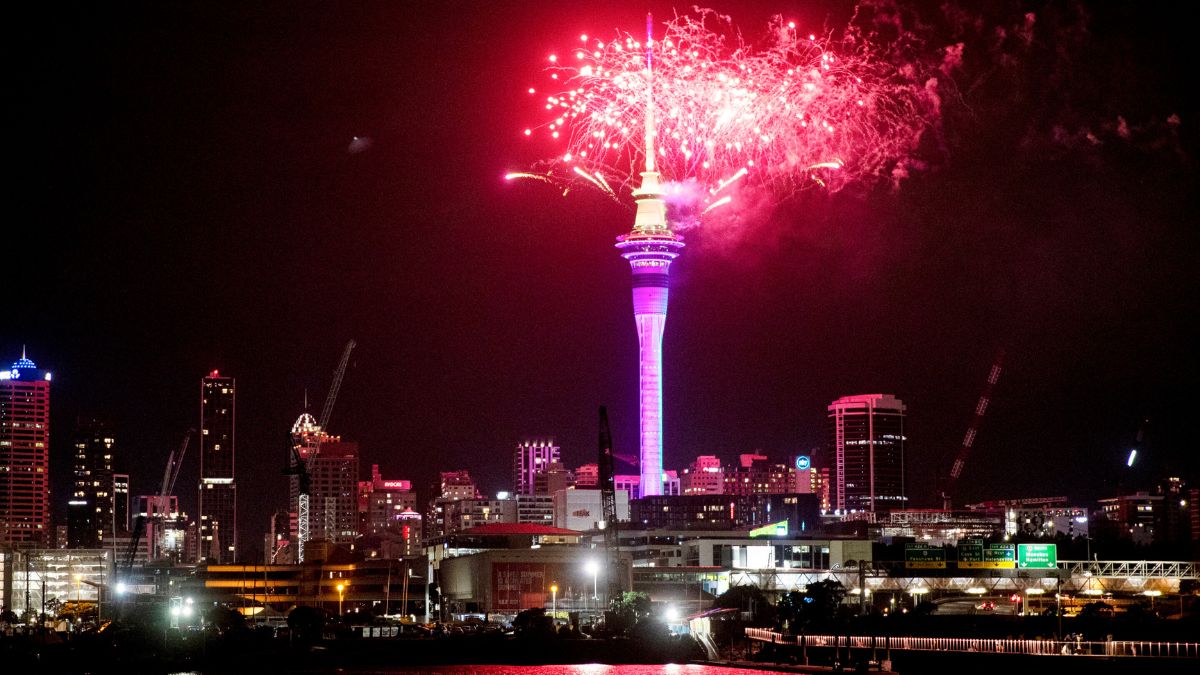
x,y
799,111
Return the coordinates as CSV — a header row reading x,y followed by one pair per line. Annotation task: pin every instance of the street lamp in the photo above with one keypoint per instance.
x,y
594,568
554,600
1152,595
341,589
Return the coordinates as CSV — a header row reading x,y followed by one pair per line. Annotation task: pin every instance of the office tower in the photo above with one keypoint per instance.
x,y
705,476
866,439
91,510
24,455
218,489
650,248
530,459
333,502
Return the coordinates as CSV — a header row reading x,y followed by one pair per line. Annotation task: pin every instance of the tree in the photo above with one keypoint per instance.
x,y
626,610
748,599
823,598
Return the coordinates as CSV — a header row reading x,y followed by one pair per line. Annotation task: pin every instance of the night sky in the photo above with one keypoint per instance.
x,y
184,196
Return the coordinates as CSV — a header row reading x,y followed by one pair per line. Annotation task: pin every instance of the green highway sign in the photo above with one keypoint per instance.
x,y
1037,556
974,554
924,556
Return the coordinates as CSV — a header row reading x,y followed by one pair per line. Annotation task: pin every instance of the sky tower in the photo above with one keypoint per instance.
x,y
650,248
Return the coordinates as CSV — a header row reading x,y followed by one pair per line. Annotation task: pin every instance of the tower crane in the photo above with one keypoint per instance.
x,y
296,464
170,475
964,451
335,386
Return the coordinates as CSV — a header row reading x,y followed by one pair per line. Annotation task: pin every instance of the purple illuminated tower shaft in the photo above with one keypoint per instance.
x,y
650,248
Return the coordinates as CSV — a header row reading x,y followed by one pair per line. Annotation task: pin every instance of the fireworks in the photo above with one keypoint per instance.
x,y
800,110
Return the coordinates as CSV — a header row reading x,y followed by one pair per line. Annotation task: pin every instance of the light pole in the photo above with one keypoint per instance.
x,y
554,600
594,568
341,589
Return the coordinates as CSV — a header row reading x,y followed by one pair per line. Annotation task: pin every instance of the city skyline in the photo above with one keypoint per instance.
x,y
226,233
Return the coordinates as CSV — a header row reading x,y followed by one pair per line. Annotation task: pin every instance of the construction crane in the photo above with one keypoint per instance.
x,y
334,386
297,465
964,451
608,500
157,509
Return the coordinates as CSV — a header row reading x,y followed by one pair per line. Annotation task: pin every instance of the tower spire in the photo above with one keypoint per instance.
x,y
651,128
650,248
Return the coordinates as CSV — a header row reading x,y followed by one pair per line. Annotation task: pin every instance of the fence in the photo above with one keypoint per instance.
x,y
1115,648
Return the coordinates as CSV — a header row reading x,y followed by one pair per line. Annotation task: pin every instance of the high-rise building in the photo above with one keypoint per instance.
x,y
333,501
384,504
757,475
866,440
631,483
704,477
25,455
650,248
530,459
553,478
120,502
453,486
587,476
90,512
218,489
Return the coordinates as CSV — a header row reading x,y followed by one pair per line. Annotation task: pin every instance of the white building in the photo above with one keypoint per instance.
x,y
582,510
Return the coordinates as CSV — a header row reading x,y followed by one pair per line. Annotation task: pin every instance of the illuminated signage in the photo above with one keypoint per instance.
x,y
974,554
803,462
924,556
1037,556
398,484
779,529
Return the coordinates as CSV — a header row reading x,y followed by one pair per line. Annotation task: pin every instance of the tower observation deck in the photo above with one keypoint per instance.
x,y
650,248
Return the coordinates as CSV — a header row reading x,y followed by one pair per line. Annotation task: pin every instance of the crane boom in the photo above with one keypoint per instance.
x,y
334,386
964,450
608,499
169,484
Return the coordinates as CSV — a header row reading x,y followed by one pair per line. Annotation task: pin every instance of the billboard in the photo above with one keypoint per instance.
x,y
779,529
518,586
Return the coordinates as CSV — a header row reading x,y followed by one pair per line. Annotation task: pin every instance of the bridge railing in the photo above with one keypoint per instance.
x,y
1132,568
1186,650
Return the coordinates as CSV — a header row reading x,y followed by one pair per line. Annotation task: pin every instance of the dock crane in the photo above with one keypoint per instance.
x,y
296,465
170,475
964,451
